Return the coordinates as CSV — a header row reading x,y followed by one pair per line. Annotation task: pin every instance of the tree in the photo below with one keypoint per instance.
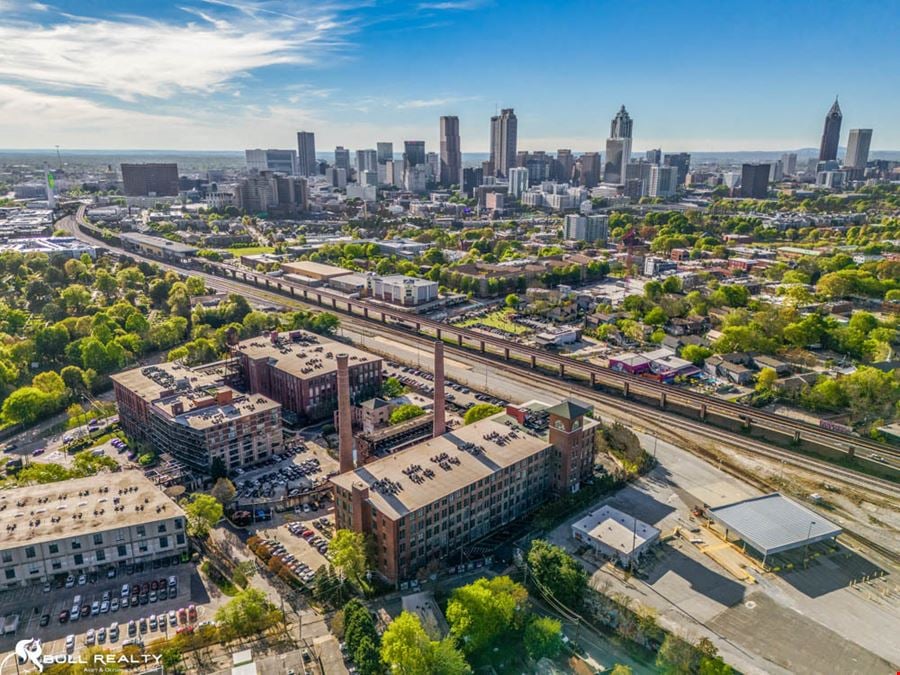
x,y
348,554
479,411
359,633
405,412
203,512
556,570
27,404
170,657
246,613
512,301
676,656
367,658
480,612
655,317
620,669
696,354
543,637
407,650
766,379
223,491
392,388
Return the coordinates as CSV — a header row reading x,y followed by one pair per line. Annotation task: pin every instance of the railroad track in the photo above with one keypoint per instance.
x,y
281,292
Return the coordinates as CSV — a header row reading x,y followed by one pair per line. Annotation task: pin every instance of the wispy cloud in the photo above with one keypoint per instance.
x,y
451,5
418,103
130,57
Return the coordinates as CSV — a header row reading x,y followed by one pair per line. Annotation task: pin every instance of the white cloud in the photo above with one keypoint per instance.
x,y
418,103
132,57
451,5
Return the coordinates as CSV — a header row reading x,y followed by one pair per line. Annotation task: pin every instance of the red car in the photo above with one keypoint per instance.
x,y
64,616
192,613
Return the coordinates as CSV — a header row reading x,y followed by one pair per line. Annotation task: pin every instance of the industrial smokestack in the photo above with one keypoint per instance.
x,y
345,430
439,405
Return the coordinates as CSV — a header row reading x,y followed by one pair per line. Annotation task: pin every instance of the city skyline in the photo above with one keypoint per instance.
x,y
217,75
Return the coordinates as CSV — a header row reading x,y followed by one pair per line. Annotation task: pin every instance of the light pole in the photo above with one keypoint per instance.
x,y
806,548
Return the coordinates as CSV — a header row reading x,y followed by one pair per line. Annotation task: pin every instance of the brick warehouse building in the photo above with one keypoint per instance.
x,y
299,370
439,496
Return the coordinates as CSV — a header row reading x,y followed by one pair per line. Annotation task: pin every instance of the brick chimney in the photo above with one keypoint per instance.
x,y
345,430
440,426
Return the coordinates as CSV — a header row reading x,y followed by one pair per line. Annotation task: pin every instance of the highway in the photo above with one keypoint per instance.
x,y
526,360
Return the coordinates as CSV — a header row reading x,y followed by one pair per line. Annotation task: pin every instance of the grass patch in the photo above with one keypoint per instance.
x,y
225,585
499,320
250,250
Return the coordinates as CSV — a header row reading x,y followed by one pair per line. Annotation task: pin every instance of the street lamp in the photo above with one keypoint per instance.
x,y
806,548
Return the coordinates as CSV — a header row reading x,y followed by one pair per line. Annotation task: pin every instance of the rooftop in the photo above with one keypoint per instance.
x,y
616,529
302,354
202,409
42,513
468,454
773,523
153,382
307,267
159,242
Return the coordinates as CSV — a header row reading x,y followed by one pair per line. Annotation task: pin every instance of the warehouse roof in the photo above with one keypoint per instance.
x,y
773,523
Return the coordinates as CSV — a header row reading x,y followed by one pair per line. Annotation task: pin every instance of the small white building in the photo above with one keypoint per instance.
x,y
615,535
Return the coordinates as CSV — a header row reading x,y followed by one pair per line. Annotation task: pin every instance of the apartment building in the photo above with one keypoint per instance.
x,y
191,415
86,525
435,498
298,369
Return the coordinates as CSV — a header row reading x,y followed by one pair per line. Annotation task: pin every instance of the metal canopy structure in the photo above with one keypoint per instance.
x,y
773,523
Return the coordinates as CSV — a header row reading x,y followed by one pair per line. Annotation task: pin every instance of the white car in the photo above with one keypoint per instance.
x,y
89,637
114,605
104,607
70,642
82,580
70,581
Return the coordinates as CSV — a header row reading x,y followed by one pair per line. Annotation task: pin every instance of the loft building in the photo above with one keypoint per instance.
x,y
433,499
86,525
299,370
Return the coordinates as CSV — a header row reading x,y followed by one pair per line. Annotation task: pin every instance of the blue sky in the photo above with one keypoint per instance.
x,y
230,74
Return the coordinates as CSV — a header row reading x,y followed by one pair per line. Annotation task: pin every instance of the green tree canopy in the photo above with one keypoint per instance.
x,y
479,411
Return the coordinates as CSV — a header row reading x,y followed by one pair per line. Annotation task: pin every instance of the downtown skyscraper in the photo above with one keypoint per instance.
x,y
504,138
618,147
306,154
858,149
831,134
451,156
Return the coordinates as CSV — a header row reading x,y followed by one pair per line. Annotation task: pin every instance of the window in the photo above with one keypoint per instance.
x,y
101,555
76,545
56,564
179,538
141,531
98,540
161,528
164,542
122,551
79,559
7,557
29,552
10,573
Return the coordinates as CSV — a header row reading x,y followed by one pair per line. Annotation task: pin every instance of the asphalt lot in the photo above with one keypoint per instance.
x,y
31,603
295,544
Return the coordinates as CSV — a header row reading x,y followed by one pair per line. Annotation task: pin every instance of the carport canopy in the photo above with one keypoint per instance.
x,y
773,523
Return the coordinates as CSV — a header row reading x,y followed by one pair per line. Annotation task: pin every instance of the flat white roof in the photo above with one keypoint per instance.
x,y
773,523
616,529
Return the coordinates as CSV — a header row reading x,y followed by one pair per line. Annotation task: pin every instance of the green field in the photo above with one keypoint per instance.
x,y
498,320
250,250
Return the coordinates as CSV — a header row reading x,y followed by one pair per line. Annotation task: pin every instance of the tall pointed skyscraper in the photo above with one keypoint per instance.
x,y
831,135
621,124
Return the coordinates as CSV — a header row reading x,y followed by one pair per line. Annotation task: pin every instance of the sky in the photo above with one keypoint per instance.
x,y
232,74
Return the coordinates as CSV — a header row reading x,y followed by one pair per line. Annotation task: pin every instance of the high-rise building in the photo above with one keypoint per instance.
x,y
451,155
654,156
663,181
342,158
539,165
618,154
432,167
385,153
586,228
858,148
283,161
471,178
831,134
621,125
589,169
366,160
306,153
150,180
682,161
504,139
415,178
789,163
755,180
413,153
563,166
518,181
776,171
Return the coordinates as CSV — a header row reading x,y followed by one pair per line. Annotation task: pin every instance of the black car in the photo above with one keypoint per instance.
x,y
45,620
145,598
134,601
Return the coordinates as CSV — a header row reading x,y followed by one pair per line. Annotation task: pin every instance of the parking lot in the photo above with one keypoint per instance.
x,y
303,466
459,397
301,540
41,610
